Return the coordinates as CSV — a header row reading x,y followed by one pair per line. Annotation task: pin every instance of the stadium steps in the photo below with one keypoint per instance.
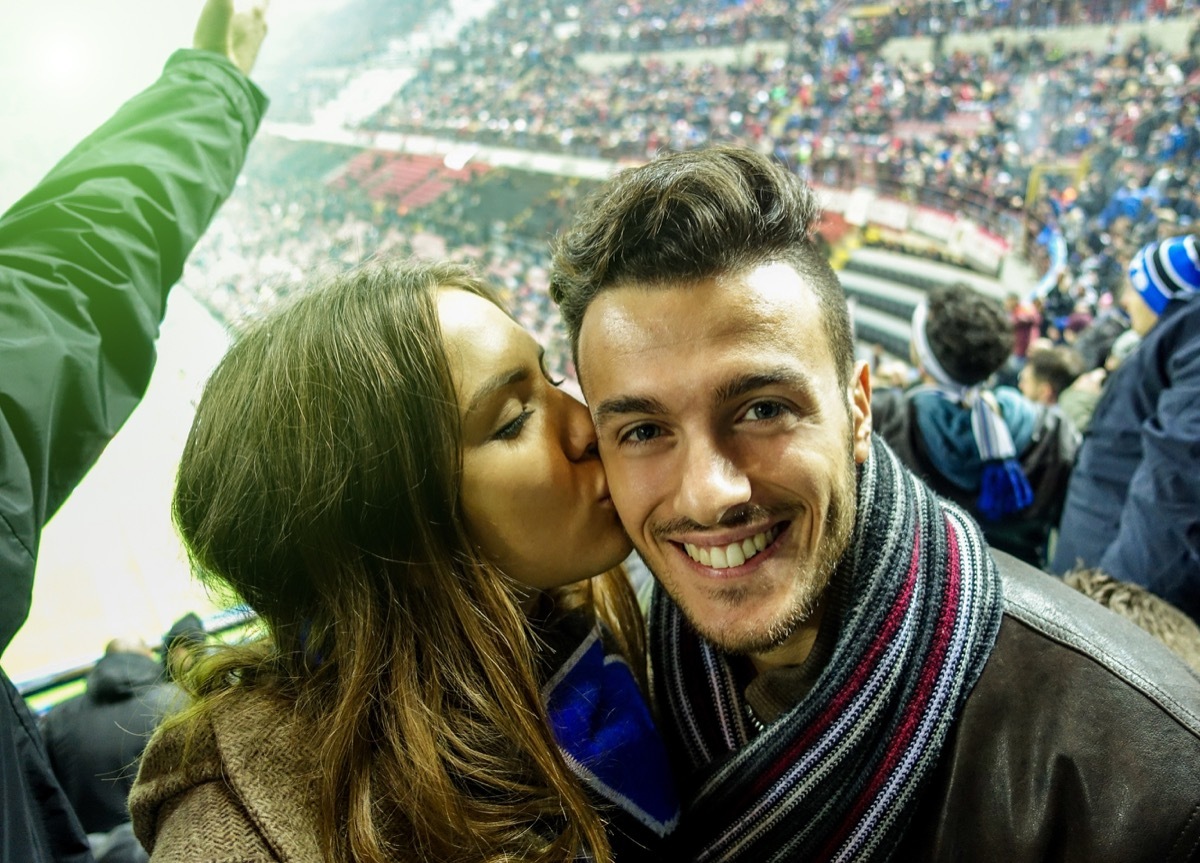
x,y
918,272
885,287
873,327
885,296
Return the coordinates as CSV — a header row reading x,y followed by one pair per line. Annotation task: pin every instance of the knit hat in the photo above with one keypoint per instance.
x,y
1165,270
1003,487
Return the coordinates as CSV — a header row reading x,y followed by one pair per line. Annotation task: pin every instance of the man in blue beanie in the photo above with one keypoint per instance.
x,y
1133,504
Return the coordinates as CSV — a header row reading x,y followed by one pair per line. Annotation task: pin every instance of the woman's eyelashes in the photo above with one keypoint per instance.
x,y
546,373
511,430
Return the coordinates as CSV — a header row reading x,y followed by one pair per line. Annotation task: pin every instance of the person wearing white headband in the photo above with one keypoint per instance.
x,y
994,452
1133,507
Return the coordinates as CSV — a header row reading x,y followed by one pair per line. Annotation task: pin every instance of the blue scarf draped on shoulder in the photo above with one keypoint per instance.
x,y
607,736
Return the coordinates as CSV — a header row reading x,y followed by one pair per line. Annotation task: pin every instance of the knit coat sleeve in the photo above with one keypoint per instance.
x,y
86,260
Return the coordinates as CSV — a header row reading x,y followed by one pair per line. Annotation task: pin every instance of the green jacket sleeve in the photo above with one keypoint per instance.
x,y
86,260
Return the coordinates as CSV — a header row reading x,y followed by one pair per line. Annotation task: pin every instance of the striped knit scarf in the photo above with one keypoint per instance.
x,y
918,606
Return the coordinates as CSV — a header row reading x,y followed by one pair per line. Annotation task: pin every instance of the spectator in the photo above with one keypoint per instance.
x,y
1026,322
845,669
1078,401
86,259
1133,507
1047,372
95,739
1095,342
181,642
994,452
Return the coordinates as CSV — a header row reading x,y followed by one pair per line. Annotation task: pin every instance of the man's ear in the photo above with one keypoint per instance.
x,y
859,397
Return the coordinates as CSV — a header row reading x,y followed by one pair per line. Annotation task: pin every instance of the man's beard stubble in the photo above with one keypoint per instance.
x,y
810,587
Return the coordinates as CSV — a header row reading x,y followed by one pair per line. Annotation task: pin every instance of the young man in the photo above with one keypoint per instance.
x,y
86,260
844,670
1133,504
991,450
1048,371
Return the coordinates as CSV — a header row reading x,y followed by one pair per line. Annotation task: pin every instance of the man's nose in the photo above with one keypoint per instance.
x,y
712,483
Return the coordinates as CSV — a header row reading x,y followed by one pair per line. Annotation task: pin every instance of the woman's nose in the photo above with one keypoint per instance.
x,y
579,435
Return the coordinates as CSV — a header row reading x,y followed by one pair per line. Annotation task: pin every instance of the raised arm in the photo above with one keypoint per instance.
x,y
86,260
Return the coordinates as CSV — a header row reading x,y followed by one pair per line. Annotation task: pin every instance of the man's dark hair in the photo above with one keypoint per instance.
x,y
1057,366
691,216
969,333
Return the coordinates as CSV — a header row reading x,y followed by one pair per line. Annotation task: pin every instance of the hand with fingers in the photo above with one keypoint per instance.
x,y
236,35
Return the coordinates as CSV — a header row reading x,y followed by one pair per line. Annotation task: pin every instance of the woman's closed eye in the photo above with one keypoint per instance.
x,y
511,430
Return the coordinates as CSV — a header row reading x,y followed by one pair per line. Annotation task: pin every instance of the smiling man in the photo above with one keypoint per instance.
x,y
842,667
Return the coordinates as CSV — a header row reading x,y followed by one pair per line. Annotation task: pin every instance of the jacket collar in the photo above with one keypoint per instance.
x,y
269,763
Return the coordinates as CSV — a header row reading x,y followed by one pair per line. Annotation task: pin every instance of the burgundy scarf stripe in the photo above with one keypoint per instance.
x,y
917,606
854,685
917,714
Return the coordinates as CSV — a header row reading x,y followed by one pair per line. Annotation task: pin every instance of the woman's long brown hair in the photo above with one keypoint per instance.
x,y
320,484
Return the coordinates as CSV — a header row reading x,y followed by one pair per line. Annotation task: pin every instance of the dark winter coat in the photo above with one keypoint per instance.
x,y
1133,506
95,739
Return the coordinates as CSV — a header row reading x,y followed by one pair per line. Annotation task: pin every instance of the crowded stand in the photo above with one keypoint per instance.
x,y
964,133
1046,385
657,25
960,16
302,208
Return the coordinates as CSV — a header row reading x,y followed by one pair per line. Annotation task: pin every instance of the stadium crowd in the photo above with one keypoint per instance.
x,y
1094,151
963,133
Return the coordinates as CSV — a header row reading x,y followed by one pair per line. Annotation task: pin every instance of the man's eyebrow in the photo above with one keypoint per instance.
x,y
729,390
494,384
748,383
621,405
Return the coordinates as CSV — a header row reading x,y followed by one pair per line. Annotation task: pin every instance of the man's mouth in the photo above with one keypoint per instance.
x,y
735,553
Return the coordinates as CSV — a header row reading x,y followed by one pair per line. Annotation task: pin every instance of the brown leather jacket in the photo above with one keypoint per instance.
x,y
1080,742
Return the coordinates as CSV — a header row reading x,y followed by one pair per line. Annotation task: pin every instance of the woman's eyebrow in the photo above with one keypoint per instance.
x,y
496,383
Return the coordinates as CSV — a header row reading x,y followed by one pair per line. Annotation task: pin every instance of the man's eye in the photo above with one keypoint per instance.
x,y
511,430
765,411
641,434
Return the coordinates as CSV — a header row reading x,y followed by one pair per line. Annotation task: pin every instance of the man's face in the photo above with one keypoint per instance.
x,y
1033,387
1141,317
729,444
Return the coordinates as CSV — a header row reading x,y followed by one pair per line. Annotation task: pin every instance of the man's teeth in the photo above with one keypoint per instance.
x,y
734,554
